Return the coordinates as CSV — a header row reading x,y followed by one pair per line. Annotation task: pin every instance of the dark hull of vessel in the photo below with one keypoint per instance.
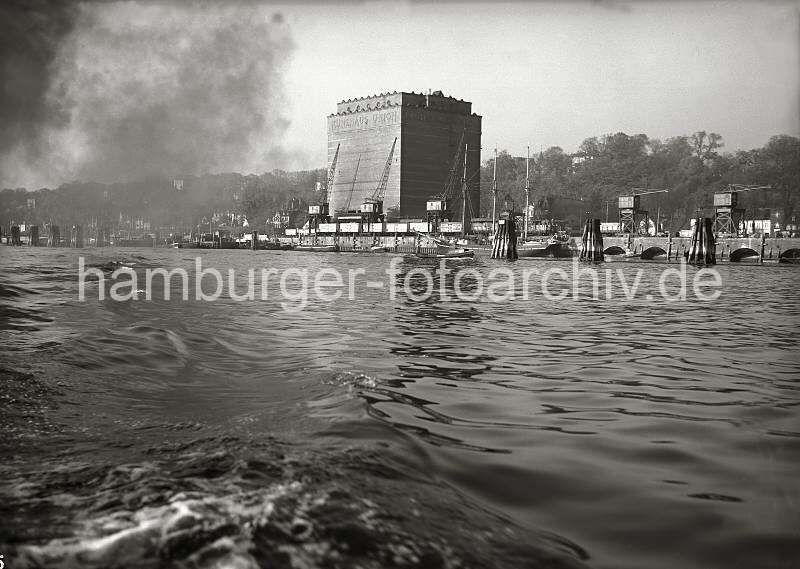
x,y
462,254
224,245
549,250
273,246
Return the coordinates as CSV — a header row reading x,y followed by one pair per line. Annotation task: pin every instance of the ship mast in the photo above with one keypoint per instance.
x,y
494,192
527,195
464,194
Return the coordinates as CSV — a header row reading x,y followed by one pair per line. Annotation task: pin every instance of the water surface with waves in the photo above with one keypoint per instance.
x,y
606,433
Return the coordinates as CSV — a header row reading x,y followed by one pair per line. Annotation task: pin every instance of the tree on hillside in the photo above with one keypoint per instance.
x,y
705,145
562,186
778,164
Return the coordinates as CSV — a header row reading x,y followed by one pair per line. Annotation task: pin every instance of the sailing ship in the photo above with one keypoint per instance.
x,y
444,249
554,246
439,212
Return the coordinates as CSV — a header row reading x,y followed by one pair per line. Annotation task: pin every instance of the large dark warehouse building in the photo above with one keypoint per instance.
x,y
428,129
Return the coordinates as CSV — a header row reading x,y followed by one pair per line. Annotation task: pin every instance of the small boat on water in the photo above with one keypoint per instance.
x,y
317,248
275,246
555,246
381,249
445,249
451,253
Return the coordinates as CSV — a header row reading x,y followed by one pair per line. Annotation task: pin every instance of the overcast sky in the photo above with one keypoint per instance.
x,y
549,74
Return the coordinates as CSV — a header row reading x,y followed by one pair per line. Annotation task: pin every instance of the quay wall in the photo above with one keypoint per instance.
x,y
727,248
645,248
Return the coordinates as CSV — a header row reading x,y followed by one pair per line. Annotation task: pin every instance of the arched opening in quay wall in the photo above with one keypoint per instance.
x,y
743,254
790,256
652,252
614,250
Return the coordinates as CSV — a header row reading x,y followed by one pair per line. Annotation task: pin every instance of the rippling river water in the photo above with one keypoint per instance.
x,y
606,433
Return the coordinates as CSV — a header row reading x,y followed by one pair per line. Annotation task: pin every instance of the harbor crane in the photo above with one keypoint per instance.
x,y
352,186
372,208
630,212
728,216
332,170
438,206
320,211
645,191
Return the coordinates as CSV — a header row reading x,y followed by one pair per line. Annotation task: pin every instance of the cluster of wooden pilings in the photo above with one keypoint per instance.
x,y
504,245
592,242
703,248
74,238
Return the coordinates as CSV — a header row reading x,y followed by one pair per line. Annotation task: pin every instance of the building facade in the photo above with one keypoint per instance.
x,y
428,129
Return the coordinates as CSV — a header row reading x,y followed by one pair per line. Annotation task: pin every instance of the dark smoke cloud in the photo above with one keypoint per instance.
x,y
30,35
122,90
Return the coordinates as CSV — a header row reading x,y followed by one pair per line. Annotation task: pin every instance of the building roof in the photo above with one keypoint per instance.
x,y
436,100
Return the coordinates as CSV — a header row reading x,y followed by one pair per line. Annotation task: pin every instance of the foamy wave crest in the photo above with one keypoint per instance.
x,y
358,380
203,531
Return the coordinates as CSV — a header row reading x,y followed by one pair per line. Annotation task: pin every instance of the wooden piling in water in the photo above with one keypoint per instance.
x,y
16,237
34,236
504,244
703,247
592,242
